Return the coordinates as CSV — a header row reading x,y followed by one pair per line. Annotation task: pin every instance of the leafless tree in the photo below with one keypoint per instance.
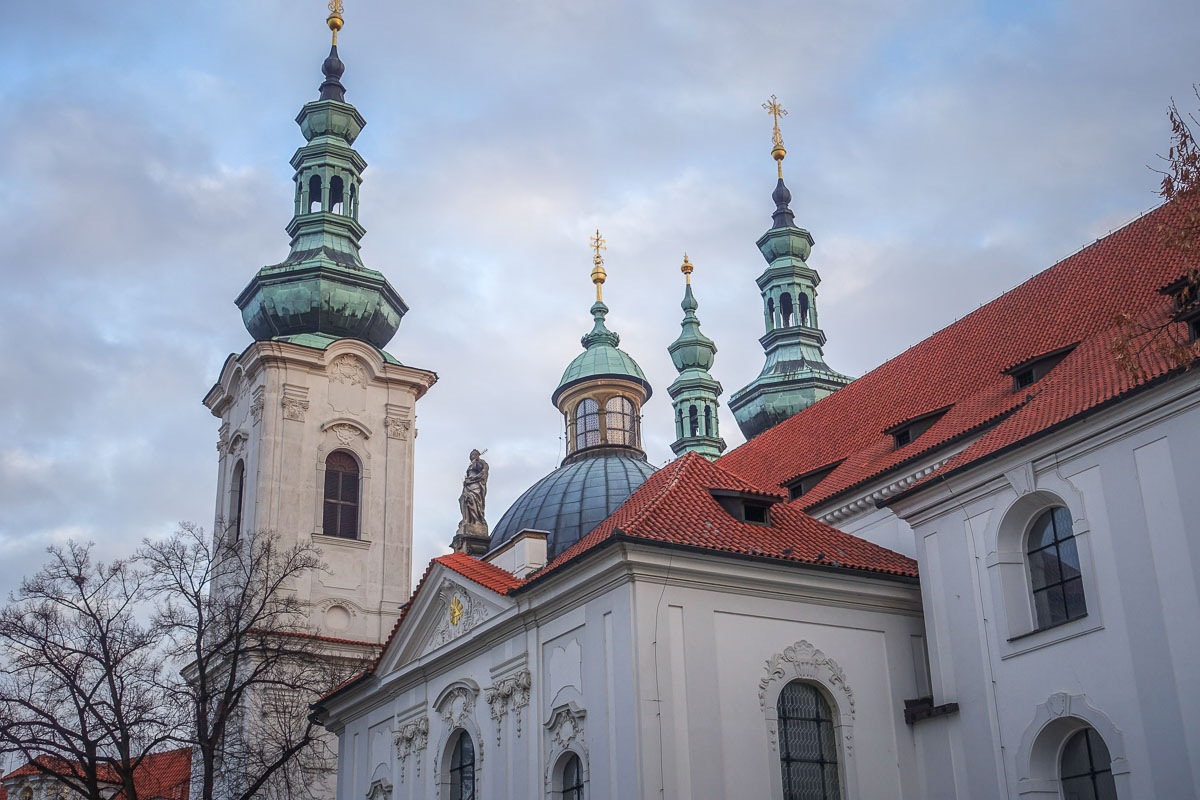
x,y
81,690
250,664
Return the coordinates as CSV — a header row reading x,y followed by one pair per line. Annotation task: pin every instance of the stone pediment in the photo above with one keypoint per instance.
x,y
447,608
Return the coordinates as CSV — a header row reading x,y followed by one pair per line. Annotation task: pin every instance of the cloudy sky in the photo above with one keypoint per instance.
x,y
940,153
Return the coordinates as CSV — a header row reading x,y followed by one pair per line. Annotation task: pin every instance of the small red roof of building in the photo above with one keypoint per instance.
x,y
962,367
159,776
676,506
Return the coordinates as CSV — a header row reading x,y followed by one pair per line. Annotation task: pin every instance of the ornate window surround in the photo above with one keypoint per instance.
x,y
453,721
564,736
1008,566
1054,722
801,661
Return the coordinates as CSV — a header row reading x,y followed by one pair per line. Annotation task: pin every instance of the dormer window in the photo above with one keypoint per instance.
x,y
748,507
1187,303
1032,370
911,429
804,483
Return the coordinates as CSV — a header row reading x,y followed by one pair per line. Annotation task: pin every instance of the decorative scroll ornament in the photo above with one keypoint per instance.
x,y
472,613
511,692
804,662
412,739
345,433
347,369
565,731
294,408
256,408
397,427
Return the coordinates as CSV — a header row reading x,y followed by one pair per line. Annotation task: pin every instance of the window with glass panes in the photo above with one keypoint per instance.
x,y
618,420
341,496
807,747
1086,768
1054,569
235,499
572,780
587,423
462,768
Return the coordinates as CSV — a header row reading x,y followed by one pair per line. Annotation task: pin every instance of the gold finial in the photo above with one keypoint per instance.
x,y
777,152
598,273
334,20
686,268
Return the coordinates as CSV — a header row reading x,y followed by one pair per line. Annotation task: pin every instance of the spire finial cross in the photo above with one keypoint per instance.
x,y
598,274
777,152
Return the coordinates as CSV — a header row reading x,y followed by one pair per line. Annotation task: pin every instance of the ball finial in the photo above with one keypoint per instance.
x,y
334,20
686,268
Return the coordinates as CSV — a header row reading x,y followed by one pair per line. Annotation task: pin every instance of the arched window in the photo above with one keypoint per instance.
x,y
462,768
771,311
708,428
1086,768
802,317
587,423
237,488
785,309
336,200
341,495
353,201
618,419
572,778
693,421
807,748
314,194
1054,569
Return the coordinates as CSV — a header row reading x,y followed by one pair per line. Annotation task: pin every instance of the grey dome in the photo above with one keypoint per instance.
x,y
575,498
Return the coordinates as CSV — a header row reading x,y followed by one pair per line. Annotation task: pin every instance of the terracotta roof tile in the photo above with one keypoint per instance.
x,y
160,776
962,366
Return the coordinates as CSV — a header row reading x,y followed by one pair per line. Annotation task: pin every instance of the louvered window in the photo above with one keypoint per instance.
x,y
462,768
618,419
587,424
341,495
1054,569
807,747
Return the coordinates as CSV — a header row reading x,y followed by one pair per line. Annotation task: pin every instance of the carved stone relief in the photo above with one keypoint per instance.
x,y
294,408
511,692
345,433
411,739
347,385
804,662
347,369
564,731
461,616
397,427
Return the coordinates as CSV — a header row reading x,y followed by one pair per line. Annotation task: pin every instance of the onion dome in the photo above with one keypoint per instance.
x,y
600,358
322,288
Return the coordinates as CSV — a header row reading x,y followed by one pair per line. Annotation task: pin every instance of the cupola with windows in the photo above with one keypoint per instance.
x,y
600,397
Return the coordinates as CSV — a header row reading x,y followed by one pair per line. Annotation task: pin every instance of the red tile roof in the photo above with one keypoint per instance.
x,y
486,575
159,776
962,366
676,506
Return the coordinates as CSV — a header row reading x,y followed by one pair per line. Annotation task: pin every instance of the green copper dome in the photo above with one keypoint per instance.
x,y
322,287
600,358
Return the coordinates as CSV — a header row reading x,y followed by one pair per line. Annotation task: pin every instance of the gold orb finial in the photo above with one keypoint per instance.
x,y
334,20
598,273
777,152
686,268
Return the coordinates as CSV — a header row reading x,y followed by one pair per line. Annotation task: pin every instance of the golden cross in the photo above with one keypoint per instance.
x,y
336,7
598,273
334,20
597,243
777,152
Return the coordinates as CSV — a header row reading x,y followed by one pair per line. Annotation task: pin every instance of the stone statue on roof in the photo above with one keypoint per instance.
x,y
472,531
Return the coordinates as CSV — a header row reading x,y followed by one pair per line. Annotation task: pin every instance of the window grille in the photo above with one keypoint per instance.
x,y
807,747
587,424
618,419
1086,768
462,769
572,780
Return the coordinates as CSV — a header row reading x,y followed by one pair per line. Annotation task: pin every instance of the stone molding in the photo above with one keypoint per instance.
x,y
294,402
347,368
511,692
868,501
565,733
1054,721
411,739
456,705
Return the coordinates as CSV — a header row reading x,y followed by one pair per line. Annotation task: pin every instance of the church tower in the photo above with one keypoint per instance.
x,y
795,374
316,432
694,393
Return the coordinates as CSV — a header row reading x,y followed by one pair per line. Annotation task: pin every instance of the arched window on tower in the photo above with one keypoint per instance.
x,y
336,201
353,201
708,428
587,424
618,420
808,751
771,311
785,309
314,194
237,488
802,317
693,421
341,495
